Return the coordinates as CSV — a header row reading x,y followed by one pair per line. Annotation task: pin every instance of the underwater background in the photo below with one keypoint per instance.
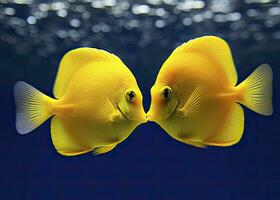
x,y
35,34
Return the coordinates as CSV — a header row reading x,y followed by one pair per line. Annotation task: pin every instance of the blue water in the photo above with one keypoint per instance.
x,y
149,164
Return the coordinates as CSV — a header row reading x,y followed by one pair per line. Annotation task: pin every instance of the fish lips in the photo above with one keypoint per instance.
x,y
127,117
151,117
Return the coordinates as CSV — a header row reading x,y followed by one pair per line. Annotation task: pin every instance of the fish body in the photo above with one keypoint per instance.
x,y
195,97
98,103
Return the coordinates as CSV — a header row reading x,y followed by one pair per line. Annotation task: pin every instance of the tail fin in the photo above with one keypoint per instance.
x,y
257,90
32,107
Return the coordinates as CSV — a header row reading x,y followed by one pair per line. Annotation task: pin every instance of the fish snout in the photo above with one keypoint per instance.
x,y
143,118
149,116
140,117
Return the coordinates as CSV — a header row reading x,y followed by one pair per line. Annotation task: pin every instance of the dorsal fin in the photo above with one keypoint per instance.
x,y
216,48
183,47
73,61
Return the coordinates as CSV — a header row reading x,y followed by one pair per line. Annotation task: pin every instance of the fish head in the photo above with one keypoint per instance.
x,y
164,102
131,106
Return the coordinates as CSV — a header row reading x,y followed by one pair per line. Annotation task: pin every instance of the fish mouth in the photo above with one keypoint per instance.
x,y
150,117
128,118
172,113
118,107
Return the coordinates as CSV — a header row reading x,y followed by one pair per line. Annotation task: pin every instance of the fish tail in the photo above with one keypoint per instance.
x,y
32,107
256,90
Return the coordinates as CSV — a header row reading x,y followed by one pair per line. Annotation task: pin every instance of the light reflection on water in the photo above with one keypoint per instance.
x,y
43,28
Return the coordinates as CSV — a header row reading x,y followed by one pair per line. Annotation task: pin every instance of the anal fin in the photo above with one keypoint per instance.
x,y
233,129
195,143
103,149
191,140
64,143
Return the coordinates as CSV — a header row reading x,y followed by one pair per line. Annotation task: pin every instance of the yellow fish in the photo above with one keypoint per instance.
x,y
97,103
195,98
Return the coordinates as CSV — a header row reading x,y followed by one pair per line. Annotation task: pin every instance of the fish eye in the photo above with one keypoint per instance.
x,y
130,95
166,92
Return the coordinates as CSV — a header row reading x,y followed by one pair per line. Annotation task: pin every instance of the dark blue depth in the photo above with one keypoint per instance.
x,y
149,164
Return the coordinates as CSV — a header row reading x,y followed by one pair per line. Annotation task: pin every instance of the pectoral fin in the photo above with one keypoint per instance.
x,y
193,104
103,149
115,117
